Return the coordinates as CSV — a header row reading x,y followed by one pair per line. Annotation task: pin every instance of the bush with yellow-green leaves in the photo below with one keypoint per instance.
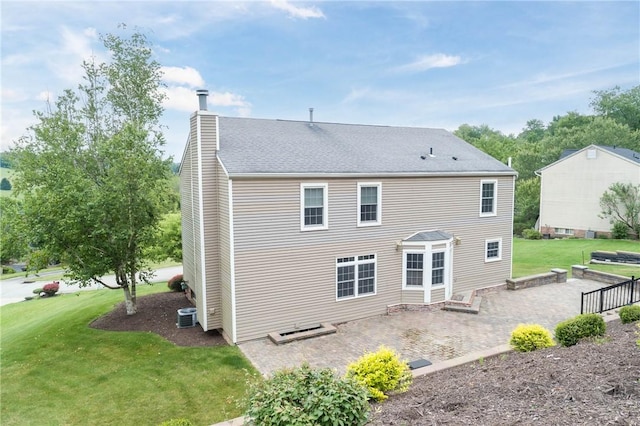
x,y
380,373
529,337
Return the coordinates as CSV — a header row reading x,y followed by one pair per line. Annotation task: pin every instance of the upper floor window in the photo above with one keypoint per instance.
x,y
488,197
355,276
493,250
369,204
313,206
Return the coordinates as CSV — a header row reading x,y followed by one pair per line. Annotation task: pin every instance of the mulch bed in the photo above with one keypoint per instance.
x,y
592,383
157,313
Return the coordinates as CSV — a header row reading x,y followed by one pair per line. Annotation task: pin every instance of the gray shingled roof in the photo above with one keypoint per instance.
x,y
622,152
429,236
250,146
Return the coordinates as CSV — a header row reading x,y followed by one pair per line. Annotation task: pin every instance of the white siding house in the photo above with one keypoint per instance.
x,y
571,188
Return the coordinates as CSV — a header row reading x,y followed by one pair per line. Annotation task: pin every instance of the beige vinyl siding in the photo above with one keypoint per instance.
x,y
286,278
211,226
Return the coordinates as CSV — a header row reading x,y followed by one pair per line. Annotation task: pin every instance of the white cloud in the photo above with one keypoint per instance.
x,y
46,96
426,62
12,95
297,12
185,99
183,76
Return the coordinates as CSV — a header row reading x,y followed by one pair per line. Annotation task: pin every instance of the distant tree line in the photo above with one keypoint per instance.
x,y
615,122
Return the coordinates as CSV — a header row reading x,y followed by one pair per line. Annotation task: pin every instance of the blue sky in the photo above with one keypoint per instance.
x,y
426,64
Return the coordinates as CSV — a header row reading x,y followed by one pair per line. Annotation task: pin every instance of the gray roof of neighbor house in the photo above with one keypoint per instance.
x,y
250,146
622,152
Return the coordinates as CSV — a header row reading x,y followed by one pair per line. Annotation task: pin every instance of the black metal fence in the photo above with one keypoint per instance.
x,y
611,297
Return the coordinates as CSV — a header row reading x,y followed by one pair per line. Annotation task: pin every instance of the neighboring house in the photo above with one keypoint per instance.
x,y
571,188
288,224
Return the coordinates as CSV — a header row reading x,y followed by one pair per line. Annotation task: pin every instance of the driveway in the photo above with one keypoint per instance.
x,y
435,336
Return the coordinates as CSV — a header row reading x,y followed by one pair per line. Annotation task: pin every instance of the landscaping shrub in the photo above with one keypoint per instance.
x,y
306,396
51,289
569,332
381,372
531,234
7,270
630,313
177,422
620,231
175,283
529,337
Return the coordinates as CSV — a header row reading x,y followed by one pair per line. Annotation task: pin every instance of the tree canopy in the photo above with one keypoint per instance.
x,y
90,172
615,122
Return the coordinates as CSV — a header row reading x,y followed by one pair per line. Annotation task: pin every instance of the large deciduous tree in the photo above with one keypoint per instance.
x,y
91,172
621,203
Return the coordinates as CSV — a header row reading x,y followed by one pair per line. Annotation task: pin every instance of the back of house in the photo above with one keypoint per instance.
x,y
289,224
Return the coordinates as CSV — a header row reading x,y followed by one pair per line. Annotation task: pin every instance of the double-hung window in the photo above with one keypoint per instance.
x,y
493,250
313,206
369,203
416,269
414,272
488,197
355,276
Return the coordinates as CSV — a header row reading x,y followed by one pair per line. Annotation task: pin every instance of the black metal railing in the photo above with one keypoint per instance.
x,y
611,297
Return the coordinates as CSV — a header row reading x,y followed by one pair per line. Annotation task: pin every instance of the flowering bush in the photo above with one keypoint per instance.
x,y
51,289
175,283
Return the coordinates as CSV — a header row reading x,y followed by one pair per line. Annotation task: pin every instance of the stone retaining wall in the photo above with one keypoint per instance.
x,y
583,272
555,276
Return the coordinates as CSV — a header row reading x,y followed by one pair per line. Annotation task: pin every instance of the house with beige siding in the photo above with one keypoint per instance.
x,y
290,224
570,189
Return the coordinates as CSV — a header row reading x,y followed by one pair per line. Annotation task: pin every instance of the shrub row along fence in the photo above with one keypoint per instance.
x,y
611,297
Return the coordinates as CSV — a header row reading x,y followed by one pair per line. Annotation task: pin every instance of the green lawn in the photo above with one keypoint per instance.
x,y
536,256
58,371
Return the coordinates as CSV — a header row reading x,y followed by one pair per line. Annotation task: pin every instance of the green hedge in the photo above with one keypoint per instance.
x,y
630,313
569,332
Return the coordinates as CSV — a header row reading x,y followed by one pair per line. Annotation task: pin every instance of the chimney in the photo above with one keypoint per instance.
x,y
202,98
311,116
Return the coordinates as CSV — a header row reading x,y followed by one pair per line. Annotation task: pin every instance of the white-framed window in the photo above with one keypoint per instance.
x,y
355,276
314,212
413,269
488,197
564,231
417,265
369,203
493,250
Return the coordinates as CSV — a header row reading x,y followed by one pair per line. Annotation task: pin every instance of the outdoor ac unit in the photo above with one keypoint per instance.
x,y
187,317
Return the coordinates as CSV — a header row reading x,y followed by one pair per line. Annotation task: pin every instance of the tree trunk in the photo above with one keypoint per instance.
x,y
130,301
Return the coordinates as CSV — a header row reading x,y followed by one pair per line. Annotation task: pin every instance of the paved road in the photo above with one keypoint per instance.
x,y
16,289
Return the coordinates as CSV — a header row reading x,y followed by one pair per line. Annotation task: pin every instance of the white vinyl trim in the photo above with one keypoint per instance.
x,y
232,267
325,206
378,220
494,211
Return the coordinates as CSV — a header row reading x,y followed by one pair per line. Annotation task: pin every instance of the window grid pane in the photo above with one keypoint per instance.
x,y
369,204
437,268
366,278
487,197
313,197
493,249
346,281
414,273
